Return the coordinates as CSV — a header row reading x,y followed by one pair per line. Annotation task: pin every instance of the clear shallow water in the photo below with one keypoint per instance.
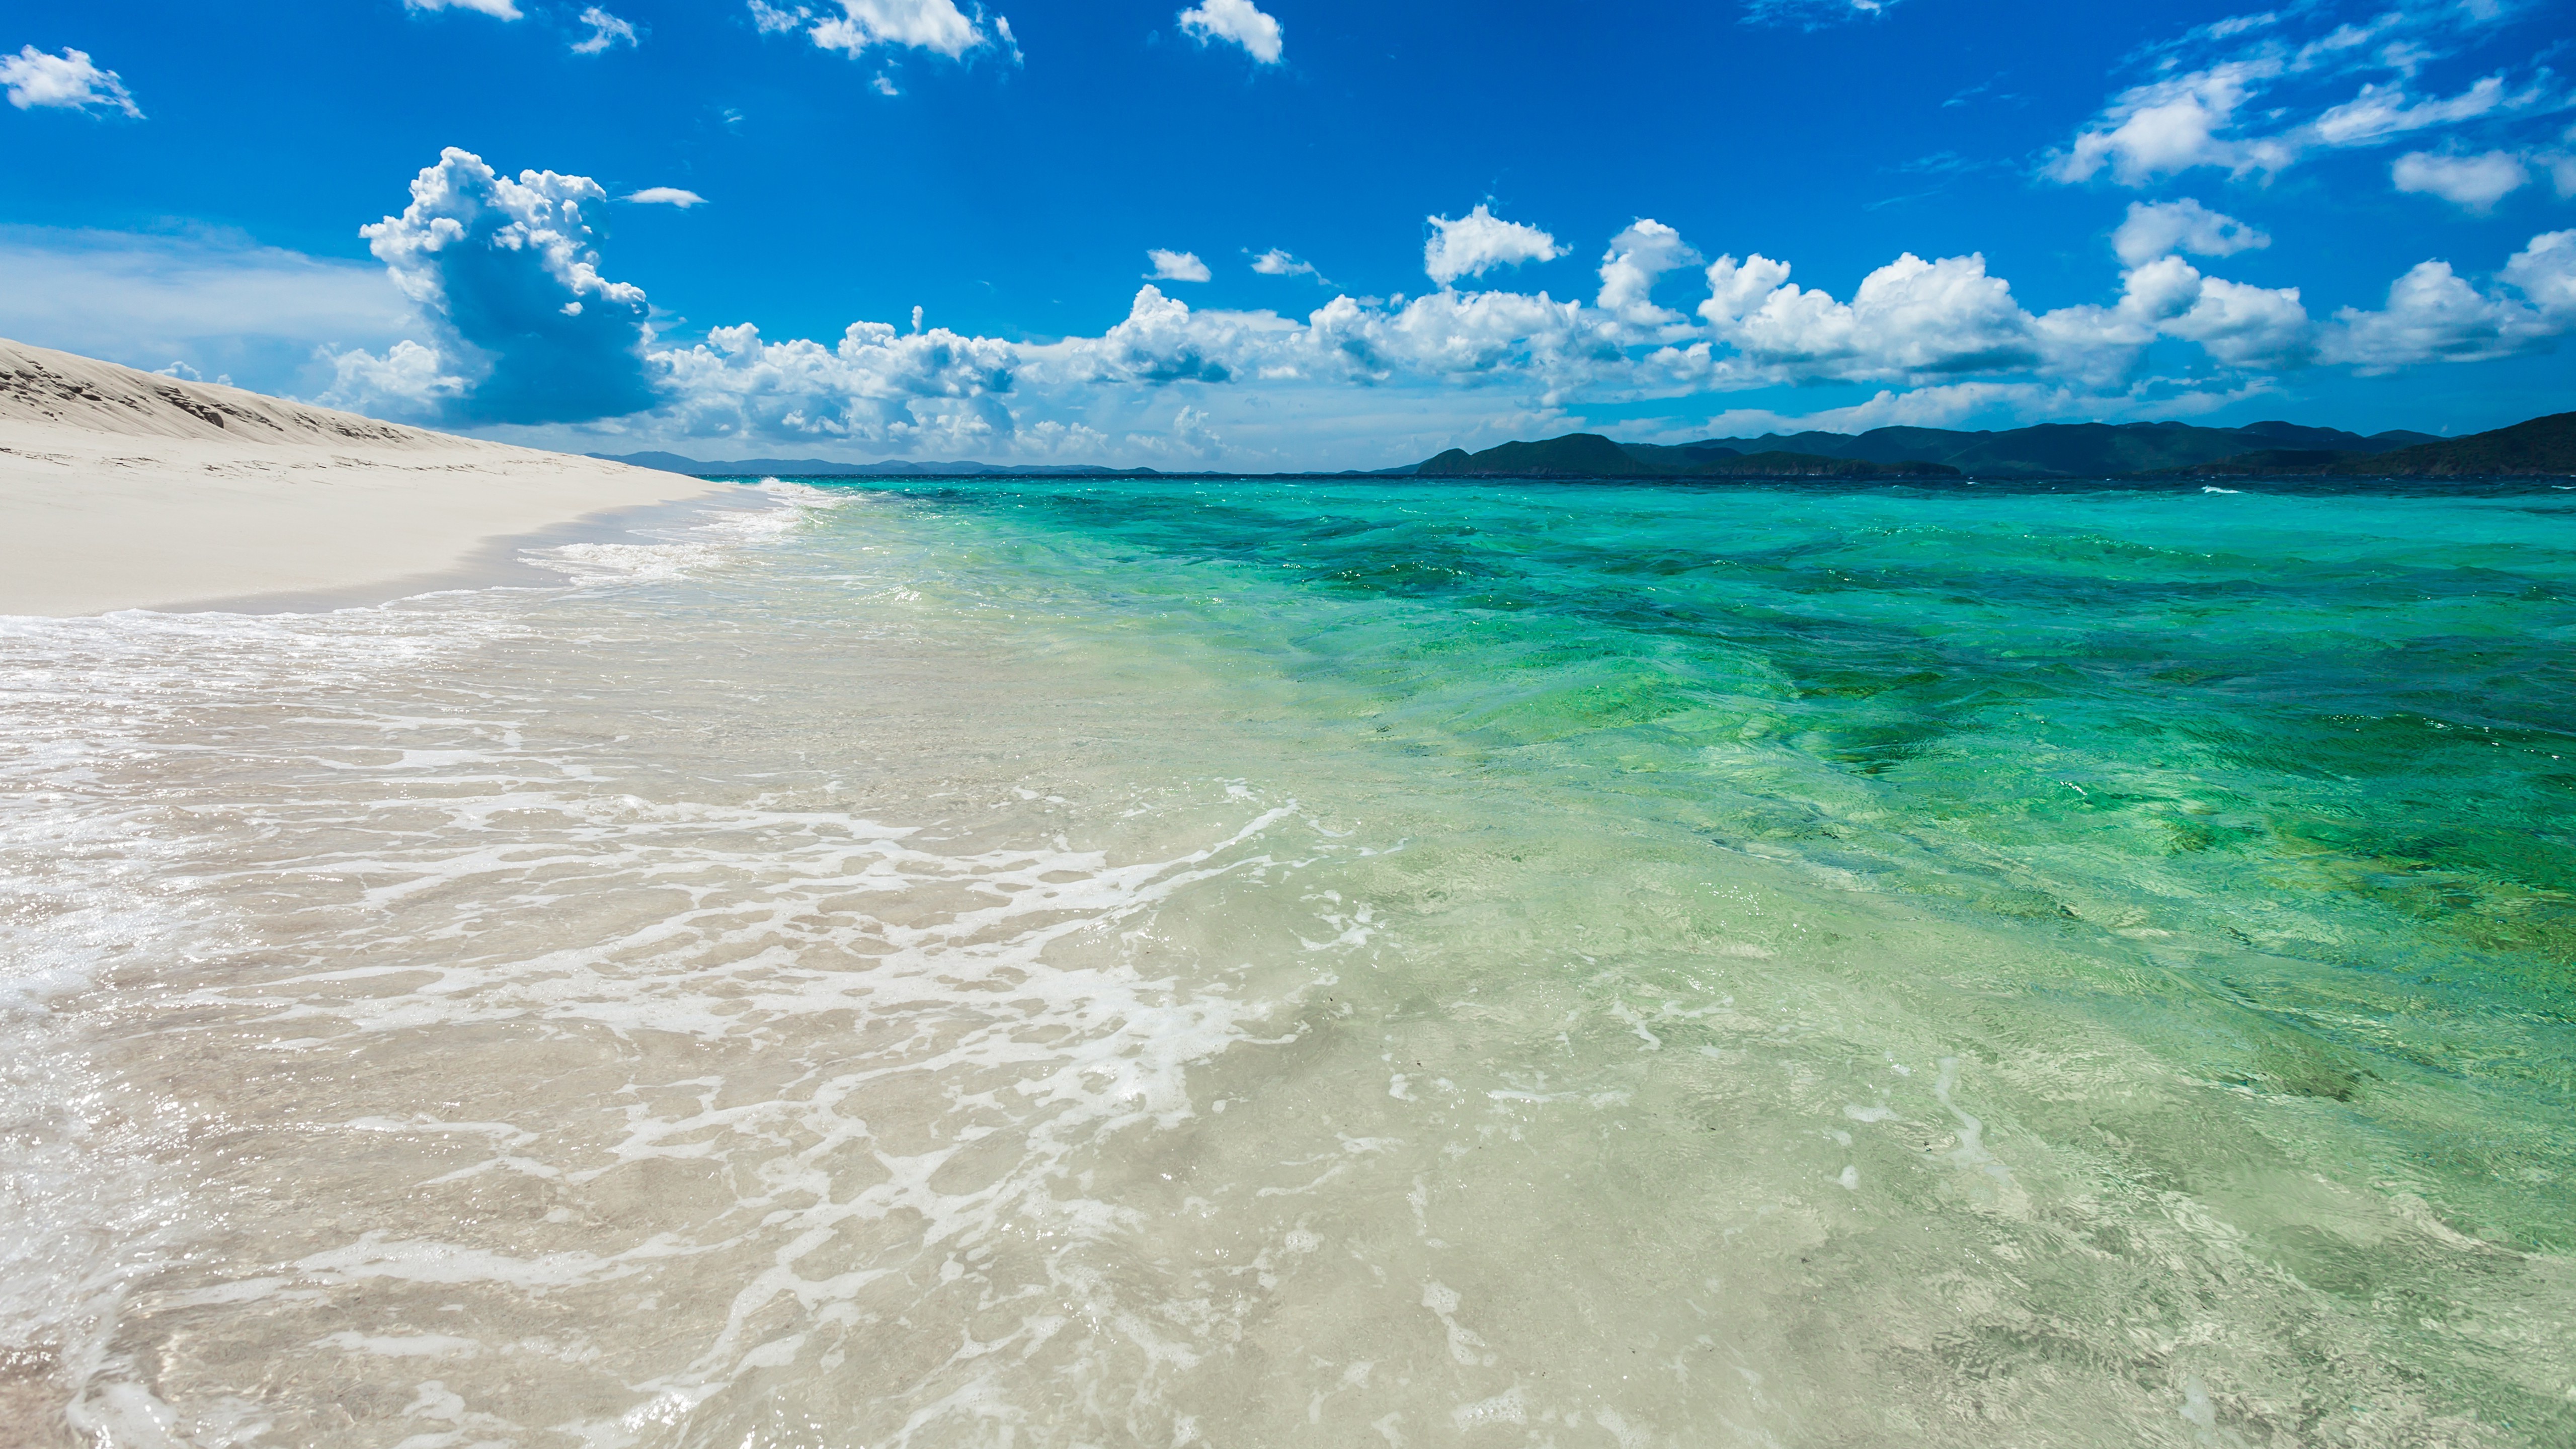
x,y
1340,964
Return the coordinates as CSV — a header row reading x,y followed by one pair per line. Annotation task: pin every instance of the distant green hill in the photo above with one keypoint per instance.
x,y
1576,455
2065,450
1811,465
2542,447
1590,455
2272,463
2047,450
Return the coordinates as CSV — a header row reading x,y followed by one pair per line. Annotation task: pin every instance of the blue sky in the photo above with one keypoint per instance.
x,y
1488,222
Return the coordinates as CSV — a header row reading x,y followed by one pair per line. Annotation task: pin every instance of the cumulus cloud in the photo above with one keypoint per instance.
x,y
666,196
497,9
1922,321
605,30
407,378
1907,318
1162,341
1188,441
505,273
2174,125
861,25
1176,266
1480,241
2239,326
2475,183
1237,22
2158,229
2435,315
69,80
1472,337
2545,272
1637,257
899,392
935,25
2243,326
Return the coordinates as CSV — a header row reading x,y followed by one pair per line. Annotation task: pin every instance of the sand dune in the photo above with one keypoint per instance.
x,y
125,489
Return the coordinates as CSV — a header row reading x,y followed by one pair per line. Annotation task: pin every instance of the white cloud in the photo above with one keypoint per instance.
x,y
1907,318
505,274
933,25
2157,229
933,392
2545,272
2250,97
1948,335
2173,125
2562,165
1500,337
1277,263
2431,314
2242,326
605,30
1637,257
1918,321
68,80
1236,21
1921,407
2381,112
1189,440
1813,14
2476,183
497,9
2435,315
409,380
1176,266
2239,326
666,196
1162,341
1952,403
1480,241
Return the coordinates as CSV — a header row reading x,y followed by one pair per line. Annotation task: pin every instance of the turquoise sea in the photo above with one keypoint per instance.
x,y
1243,962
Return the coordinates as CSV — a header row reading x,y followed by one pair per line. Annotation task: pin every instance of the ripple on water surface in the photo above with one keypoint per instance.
x,y
1086,963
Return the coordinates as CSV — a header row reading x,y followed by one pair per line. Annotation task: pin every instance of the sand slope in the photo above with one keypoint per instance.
x,y
126,489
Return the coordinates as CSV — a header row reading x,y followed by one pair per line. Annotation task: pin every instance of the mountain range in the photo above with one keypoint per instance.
x,y
2540,447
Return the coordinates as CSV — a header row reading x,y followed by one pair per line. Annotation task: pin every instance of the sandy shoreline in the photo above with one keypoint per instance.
x,y
122,489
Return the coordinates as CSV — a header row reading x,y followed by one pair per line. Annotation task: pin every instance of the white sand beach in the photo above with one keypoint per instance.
x,y
124,489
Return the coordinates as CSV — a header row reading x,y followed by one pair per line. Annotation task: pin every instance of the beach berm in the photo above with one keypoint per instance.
x,y
125,489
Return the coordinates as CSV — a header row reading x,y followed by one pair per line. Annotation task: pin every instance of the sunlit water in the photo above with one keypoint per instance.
x,y
1096,964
